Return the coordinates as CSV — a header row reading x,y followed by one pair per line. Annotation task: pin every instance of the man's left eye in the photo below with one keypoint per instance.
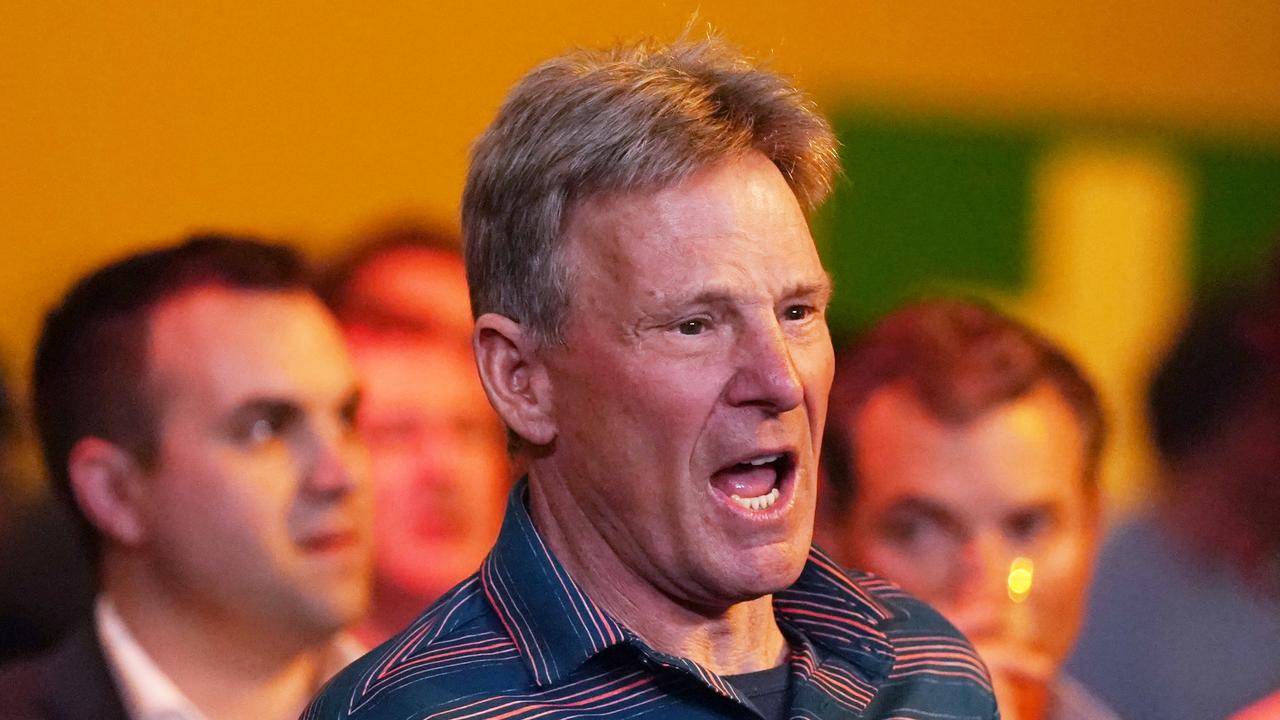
x,y
1027,526
797,312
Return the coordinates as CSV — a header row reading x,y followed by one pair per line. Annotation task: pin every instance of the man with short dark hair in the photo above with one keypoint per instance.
x,y
437,450
196,406
650,327
962,464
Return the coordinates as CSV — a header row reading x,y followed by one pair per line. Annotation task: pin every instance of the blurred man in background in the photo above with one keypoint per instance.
x,y
1184,617
197,407
961,462
438,451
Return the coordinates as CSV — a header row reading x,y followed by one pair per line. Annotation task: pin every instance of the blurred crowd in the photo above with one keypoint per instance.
x,y
287,465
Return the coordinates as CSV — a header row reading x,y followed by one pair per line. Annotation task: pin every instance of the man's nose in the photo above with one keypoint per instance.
x,y
979,585
766,373
337,462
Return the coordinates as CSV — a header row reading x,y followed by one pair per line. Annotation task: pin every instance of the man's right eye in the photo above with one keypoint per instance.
x,y
692,327
902,530
262,430
919,533
267,425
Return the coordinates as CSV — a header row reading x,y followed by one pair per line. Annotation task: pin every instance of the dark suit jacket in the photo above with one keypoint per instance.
x,y
70,682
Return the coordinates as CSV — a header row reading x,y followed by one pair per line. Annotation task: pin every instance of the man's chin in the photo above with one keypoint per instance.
x,y
341,605
425,573
764,571
430,570
426,590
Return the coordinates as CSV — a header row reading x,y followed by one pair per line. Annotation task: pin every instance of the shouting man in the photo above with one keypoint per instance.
x,y
650,325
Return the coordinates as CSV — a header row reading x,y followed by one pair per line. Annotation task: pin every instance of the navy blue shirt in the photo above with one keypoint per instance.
x,y
519,640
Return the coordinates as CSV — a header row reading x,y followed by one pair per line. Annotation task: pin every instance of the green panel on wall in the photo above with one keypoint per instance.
x,y
932,204
924,204
1237,220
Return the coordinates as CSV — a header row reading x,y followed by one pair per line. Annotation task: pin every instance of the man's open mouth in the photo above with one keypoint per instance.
x,y
757,482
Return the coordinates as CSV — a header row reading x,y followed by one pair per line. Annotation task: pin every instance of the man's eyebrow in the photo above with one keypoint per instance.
x,y
1051,507
709,296
278,409
821,289
920,506
391,321
716,295
260,404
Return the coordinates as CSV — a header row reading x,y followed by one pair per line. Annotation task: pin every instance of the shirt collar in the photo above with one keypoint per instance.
x,y
556,627
148,693
839,613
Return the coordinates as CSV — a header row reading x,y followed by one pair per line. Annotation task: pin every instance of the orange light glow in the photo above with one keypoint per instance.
x,y
1021,574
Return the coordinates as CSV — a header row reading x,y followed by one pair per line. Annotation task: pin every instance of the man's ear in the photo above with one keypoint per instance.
x,y
514,377
105,482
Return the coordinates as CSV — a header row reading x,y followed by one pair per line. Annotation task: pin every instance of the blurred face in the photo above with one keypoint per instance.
x,y
256,507
947,510
691,388
438,450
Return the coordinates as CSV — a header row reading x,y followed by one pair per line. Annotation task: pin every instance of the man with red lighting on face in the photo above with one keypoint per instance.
x,y
437,452
650,327
961,462
197,409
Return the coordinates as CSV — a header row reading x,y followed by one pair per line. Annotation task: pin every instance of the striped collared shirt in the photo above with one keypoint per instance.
x,y
519,640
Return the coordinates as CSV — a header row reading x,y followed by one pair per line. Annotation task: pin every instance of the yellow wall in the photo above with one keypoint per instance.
x,y
123,124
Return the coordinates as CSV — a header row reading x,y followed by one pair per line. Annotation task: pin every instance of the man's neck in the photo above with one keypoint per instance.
x,y
226,670
390,611
1031,703
739,638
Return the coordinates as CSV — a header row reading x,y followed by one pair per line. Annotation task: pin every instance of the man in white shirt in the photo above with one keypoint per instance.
x,y
197,405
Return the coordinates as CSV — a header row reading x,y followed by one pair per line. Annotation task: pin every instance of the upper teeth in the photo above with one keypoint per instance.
x,y
758,503
763,460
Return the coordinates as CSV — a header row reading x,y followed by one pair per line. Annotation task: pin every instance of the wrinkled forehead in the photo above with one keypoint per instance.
x,y
738,218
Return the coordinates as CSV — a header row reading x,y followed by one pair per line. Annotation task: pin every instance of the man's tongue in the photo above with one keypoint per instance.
x,y
745,481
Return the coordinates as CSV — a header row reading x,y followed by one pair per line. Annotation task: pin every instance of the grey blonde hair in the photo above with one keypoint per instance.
x,y
632,118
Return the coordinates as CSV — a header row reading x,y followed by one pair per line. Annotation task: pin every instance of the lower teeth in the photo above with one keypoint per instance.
x,y
758,503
